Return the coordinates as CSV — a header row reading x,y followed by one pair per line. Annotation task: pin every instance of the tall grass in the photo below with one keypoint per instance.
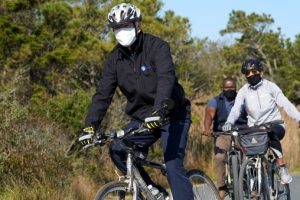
x,y
291,142
37,161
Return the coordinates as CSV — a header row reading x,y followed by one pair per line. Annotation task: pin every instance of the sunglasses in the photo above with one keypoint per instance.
x,y
252,71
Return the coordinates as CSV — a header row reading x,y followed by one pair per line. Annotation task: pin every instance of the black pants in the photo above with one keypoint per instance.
x,y
276,134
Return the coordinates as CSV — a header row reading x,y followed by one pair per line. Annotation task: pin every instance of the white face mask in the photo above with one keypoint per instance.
x,y
125,36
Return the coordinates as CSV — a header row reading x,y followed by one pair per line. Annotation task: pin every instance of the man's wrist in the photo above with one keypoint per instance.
x,y
88,130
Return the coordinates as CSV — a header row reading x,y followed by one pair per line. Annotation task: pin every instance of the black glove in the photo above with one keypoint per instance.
x,y
156,120
88,133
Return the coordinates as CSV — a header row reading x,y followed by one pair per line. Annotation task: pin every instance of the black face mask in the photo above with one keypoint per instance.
x,y
254,79
229,94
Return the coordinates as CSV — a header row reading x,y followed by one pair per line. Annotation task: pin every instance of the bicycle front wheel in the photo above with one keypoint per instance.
x,y
251,186
235,175
115,190
203,187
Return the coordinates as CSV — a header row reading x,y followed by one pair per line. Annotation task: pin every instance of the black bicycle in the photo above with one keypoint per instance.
x,y
259,175
234,161
133,186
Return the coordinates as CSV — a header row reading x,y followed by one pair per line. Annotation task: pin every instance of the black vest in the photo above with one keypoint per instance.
x,y
222,114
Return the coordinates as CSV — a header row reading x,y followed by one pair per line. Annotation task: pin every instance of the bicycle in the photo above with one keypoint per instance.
x,y
259,174
134,187
234,161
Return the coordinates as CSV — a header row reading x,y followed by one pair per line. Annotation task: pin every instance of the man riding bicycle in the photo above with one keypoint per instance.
x,y
141,66
261,98
216,113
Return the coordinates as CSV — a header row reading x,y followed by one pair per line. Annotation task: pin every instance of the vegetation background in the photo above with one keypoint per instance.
x,y
51,56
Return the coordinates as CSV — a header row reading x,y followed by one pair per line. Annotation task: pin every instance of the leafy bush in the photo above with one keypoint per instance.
x,y
68,110
33,151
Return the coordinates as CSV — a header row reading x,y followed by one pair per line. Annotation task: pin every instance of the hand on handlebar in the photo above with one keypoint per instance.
x,y
227,127
87,135
156,120
208,132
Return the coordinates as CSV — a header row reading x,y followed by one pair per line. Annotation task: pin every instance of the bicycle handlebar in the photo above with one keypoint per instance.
x,y
268,124
234,129
101,138
216,134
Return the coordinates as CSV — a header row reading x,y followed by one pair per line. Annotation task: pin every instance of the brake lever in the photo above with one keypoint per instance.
x,y
140,130
89,145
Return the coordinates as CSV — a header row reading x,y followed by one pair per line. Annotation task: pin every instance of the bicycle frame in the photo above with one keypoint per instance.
x,y
135,181
132,177
232,152
266,174
236,153
266,168
258,163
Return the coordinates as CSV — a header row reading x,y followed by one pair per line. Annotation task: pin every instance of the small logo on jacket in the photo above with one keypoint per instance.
x,y
253,141
144,68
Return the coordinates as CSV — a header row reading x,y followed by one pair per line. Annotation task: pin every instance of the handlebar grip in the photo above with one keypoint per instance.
x,y
215,134
152,119
277,122
85,137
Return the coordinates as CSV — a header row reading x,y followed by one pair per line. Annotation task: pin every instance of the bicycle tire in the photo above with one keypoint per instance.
x,y
265,187
280,191
114,190
249,184
235,176
203,187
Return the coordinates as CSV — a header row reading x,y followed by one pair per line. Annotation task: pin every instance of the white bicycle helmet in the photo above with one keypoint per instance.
x,y
123,13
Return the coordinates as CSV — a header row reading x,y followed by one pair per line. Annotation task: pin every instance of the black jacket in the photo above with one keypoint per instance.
x,y
145,78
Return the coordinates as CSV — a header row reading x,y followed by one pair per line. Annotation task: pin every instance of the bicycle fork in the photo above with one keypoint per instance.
x,y
135,181
258,166
271,181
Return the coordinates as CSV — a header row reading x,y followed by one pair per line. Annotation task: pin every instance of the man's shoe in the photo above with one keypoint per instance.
x,y
285,175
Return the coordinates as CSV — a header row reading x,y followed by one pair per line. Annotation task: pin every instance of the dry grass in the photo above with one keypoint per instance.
x,y
199,150
291,141
83,188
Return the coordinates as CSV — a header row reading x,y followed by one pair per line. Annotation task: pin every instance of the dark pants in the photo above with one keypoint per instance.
x,y
276,134
174,139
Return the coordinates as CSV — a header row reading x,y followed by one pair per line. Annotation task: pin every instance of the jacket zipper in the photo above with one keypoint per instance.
x,y
258,98
134,71
137,79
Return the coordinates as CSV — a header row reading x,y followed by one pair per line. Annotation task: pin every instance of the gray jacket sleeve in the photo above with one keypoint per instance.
x,y
283,102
